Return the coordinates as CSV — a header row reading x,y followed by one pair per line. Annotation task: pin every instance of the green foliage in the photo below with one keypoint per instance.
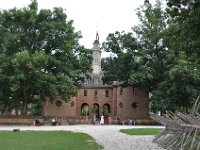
x,y
35,109
105,110
161,55
40,55
95,109
85,110
118,67
52,140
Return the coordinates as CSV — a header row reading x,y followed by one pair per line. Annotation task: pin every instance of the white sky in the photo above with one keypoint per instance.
x,y
106,16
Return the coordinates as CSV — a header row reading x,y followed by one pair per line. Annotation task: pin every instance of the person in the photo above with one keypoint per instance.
x,y
53,121
37,122
133,122
94,119
46,118
102,120
130,122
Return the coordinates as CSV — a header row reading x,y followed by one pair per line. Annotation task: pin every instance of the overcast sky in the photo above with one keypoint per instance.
x,y
106,16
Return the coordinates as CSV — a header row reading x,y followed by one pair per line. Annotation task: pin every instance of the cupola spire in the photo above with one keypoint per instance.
x,y
97,38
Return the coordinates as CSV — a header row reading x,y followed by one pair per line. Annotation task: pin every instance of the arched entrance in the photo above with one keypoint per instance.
x,y
85,109
95,110
106,111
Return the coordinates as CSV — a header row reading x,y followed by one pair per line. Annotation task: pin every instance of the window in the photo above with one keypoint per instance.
x,y
134,105
95,93
106,93
58,103
121,91
85,92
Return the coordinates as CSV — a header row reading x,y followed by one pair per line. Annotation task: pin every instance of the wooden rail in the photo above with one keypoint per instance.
x,y
182,131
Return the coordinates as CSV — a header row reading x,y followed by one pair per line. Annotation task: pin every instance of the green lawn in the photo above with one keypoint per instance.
x,y
141,131
46,140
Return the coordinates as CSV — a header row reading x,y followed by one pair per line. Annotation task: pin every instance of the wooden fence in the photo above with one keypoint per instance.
x,y
182,131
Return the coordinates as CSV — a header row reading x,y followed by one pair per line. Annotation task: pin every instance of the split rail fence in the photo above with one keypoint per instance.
x,y
182,131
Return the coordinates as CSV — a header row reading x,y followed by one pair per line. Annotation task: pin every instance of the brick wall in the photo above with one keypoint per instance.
x,y
66,108
120,100
126,100
91,99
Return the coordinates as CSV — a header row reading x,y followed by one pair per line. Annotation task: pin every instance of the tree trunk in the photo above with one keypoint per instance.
x,y
25,102
24,107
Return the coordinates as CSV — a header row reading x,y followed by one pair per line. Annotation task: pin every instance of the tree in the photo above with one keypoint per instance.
x,y
169,67
140,54
160,57
150,34
186,15
125,48
6,102
182,40
179,89
44,58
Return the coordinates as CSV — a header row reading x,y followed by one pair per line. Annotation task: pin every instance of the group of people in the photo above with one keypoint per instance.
x,y
54,121
101,119
131,122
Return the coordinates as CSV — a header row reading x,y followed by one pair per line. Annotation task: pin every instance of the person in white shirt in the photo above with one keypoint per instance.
x,y
102,120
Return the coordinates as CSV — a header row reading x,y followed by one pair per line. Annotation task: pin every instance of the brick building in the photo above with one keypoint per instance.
x,y
94,97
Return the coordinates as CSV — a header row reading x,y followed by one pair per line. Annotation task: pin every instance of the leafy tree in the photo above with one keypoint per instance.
x,y
44,58
5,95
171,70
186,15
139,55
125,48
150,34
162,59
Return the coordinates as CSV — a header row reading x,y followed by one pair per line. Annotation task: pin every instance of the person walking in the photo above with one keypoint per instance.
x,y
102,120
46,118
94,119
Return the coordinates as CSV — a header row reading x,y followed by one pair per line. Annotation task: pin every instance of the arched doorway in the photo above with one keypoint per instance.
x,y
85,109
95,110
106,111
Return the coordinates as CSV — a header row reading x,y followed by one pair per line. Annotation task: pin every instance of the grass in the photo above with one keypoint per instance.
x,y
141,131
46,140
